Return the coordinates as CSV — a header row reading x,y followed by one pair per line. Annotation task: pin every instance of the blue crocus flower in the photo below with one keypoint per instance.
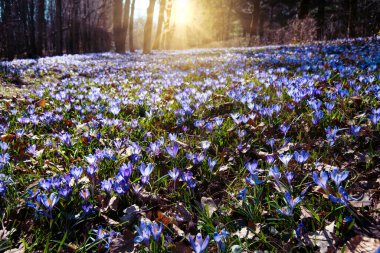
x,y
253,180
156,230
144,233
172,150
242,194
342,198
220,237
76,172
337,177
145,171
49,202
252,167
301,156
321,180
285,159
174,173
355,130
198,244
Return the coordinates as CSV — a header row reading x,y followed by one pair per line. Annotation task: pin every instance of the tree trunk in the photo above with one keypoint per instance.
x,y
32,29
40,19
352,18
304,9
161,17
120,24
321,18
255,21
165,38
148,27
58,28
131,23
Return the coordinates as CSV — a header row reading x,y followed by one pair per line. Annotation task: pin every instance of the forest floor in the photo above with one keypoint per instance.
x,y
212,150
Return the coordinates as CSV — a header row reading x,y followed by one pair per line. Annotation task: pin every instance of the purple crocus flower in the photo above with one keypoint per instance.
x,y
144,232
211,164
4,159
219,238
106,185
198,244
242,194
174,173
343,197
32,150
291,204
145,171
355,130
85,194
76,172
337,177
3,188
156,230
284,128
285,158
172,150
252,167
289,176
49,202
254,180
275,173
321,180
87,208
301,156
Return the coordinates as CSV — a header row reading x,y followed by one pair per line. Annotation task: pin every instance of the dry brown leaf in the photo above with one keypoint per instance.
x,y
362,244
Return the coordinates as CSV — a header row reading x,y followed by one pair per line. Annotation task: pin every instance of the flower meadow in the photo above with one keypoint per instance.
x,y
219,150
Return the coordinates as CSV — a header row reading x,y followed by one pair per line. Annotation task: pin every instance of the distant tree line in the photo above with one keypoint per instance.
x,y
33,28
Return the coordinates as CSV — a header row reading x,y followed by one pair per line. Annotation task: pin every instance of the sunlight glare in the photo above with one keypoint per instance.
x,y
183,12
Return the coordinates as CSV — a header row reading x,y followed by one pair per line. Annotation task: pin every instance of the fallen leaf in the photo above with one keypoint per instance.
x,y
323,239
209,205
244,233
362,244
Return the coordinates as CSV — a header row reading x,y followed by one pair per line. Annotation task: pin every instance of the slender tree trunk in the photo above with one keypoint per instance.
x,y
127,6
131,23
32,30
254,28
228,29
58,23
165,38
321,18
40,19
161,17
117,25
352,18
148,28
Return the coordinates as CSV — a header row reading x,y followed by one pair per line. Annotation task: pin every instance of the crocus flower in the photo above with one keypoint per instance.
x,y
145,171
355,130
174,173
143,232
76,172
85,194
251,167
156,230
198,244
342,198
301,156
285,158
49,202
172,150
242,194
220,237
106,185
253,180
321,180
205,145
337,177
289,176
211,164
284,128
291,204
275,173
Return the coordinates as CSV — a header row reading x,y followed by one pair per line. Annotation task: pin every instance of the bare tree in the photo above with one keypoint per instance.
x,y
131,23
40,26
148,27
160,23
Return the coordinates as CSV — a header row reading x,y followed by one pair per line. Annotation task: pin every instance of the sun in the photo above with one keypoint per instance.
x,y
183,12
